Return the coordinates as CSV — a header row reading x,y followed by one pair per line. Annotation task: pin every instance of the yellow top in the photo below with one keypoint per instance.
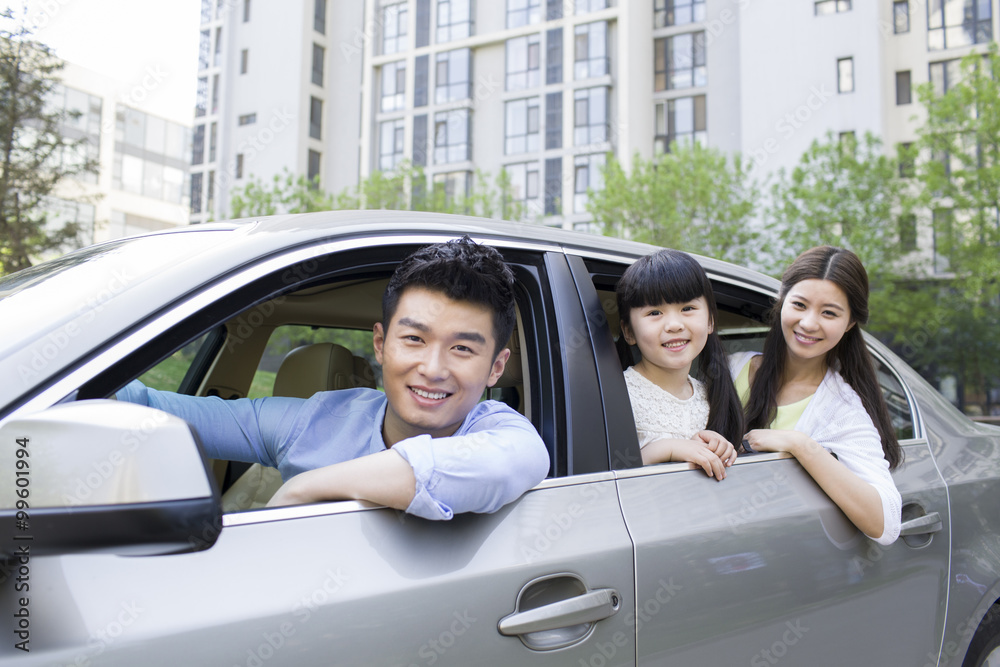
x,y
787,416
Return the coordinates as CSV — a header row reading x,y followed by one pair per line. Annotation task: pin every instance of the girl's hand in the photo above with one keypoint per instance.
x,y
715,442
692,451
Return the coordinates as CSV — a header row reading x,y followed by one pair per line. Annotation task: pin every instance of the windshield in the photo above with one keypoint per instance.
x,y
41,298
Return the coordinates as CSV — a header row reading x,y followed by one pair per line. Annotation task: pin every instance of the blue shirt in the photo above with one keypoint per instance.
x,y
494,457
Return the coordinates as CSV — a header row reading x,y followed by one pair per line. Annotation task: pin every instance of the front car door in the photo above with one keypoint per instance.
x,y
348,583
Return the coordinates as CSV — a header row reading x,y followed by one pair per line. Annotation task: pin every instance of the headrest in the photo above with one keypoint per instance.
x,y
317,367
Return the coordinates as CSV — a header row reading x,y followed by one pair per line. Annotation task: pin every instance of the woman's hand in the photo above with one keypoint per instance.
x,y
692,451
774,440
715,442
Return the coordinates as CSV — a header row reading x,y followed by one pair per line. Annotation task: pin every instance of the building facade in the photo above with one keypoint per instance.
x,y
546,88
141,181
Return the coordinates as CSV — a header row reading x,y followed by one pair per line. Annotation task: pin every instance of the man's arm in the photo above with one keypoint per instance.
x,y
384,478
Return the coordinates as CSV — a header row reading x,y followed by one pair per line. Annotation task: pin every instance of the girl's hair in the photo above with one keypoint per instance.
x,y
850,356
671,276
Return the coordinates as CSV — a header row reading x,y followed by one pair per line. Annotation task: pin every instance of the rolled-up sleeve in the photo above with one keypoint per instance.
x,y
495,458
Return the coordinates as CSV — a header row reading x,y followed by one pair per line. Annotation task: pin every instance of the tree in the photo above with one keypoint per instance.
x,y
693,198
404,188
960,173
34,155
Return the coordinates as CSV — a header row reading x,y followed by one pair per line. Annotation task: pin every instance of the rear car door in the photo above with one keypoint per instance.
x,y
762,566
546,580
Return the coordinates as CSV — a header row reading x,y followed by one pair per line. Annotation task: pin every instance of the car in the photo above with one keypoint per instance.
x,y
123,544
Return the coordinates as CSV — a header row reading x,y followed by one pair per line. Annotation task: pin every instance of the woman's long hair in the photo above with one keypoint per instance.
x,y
671,276
850,356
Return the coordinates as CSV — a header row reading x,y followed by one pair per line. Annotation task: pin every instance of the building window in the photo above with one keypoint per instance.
x,y
217,58
903,88
553,55
553,185
196,192
523,12
315,118
318,59
238,169
391,137
421,80
452,76
319,17
312,168
908,232
680,62
215,93
394,24
393,86
955,23
201,97
453,186
591,50
205,49
553,120
943,239
832,6
681,121
454,20
587,6
677,12
523,62
522,126
945,74
246,11
206,11
525,187
586,174
244,57
212,140
420,140
422,31
901,17
845,75
210,192
247,119
451,136
198,145
907,161
590,111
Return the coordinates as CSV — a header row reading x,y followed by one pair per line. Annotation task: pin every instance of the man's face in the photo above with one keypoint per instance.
x,y
437,357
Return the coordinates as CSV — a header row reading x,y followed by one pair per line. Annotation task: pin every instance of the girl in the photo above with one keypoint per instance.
x,y
814,391
667,309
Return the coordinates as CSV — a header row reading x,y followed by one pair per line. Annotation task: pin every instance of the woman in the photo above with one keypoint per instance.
x,y
813,392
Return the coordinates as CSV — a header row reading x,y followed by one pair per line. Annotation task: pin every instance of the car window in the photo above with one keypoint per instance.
x,y
286,338
171,373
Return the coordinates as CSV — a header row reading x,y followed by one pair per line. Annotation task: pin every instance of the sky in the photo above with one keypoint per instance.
x,y
150,47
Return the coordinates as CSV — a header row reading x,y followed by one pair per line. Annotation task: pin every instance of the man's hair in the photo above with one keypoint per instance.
x,y
462,270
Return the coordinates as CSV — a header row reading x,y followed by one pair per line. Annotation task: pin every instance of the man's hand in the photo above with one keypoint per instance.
x,y
384,478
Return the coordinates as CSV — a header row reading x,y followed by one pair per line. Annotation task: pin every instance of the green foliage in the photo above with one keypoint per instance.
x,y
405,188
31,149
693,198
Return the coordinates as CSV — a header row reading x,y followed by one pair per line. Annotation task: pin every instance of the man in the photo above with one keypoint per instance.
x,y
427,445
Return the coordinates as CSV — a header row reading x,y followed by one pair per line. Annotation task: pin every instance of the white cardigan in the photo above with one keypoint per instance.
x,y
838,421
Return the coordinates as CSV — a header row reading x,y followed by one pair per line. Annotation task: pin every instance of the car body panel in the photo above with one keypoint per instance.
x,y
706,572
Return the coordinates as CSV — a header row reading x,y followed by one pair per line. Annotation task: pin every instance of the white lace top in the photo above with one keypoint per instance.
x,y
660,414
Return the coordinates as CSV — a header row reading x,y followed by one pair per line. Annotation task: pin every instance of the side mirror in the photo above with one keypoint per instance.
x,y
104,476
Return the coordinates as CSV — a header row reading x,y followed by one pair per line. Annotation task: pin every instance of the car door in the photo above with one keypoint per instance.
x,y
763,566
546,580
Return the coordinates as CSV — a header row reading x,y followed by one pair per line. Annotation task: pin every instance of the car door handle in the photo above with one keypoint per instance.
x,y
928,523
587,608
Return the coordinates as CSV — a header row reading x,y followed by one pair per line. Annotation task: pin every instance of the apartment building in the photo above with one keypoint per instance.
x,y
546,88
